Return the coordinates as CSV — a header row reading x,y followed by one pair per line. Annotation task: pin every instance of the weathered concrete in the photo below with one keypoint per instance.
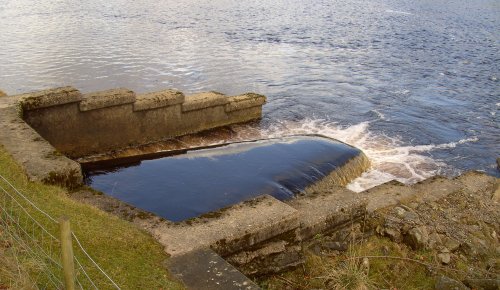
x,y
39,128
49,98
158,100
105,99
80,125
228,230
203,269
37,157
265,236
327,211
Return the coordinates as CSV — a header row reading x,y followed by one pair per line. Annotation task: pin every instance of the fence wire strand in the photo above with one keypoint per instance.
x,y
30,234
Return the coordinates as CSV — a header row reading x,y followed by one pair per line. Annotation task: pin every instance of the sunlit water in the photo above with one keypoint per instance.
x,y
412,83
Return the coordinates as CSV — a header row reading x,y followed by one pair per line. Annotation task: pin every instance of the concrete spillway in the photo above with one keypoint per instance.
x,y
205,180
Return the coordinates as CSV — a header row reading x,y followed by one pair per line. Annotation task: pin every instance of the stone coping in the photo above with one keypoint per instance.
x,y
108,98
49,98
148,101
245,101
158,99
204,100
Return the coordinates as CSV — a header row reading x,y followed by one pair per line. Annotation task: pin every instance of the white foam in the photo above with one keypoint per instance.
x,y
390,158
379,114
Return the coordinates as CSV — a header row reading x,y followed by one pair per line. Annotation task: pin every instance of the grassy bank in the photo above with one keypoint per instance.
x,y
130,256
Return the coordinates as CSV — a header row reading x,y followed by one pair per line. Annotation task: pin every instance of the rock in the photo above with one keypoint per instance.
x,y
434,240
336,246
411,217
485,284
246,257
2,94
393,234
498,163
451,244
417,238
446,283
399,211
444,258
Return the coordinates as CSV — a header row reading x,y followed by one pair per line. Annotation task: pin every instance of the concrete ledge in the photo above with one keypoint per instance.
x,y
158,99
37,157
204,270
204,100
228,230
327,211
49,98
104,99
245,101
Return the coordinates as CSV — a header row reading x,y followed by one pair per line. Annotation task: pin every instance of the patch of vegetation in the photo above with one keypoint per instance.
x,y
129,255
376,263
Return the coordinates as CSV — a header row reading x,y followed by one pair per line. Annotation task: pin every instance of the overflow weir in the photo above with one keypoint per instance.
x,y
251,203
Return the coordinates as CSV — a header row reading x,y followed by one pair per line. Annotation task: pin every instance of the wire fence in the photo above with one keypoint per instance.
x,y
32,238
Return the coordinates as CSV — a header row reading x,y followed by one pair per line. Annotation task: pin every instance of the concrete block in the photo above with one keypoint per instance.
x,y
245,101
49,98
204,100
35,155
108,98
158,99
203,269
228,230
327,211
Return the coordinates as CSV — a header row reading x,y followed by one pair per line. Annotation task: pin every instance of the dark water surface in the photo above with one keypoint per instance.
x,y
200,181
412,83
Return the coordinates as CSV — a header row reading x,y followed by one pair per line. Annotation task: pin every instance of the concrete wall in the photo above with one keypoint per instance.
x,y
83,124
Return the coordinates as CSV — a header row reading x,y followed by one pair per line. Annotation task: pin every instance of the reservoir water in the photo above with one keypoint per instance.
x,y
415,84
199,181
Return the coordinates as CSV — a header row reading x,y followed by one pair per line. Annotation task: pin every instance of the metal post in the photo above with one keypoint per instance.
x,y
67,254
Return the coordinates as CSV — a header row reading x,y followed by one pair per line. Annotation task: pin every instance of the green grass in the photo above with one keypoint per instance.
x,y
129,255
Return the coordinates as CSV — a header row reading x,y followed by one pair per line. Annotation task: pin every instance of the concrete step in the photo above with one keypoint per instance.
x,y
332,209
228,230
203,269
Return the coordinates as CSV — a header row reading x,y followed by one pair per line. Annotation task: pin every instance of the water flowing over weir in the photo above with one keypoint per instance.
x,y
191,184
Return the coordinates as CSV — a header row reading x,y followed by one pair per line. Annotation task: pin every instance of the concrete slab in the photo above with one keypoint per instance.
x,y
158,99
245,101
49,98
203,269
108,98
327,211
227,230
203,100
